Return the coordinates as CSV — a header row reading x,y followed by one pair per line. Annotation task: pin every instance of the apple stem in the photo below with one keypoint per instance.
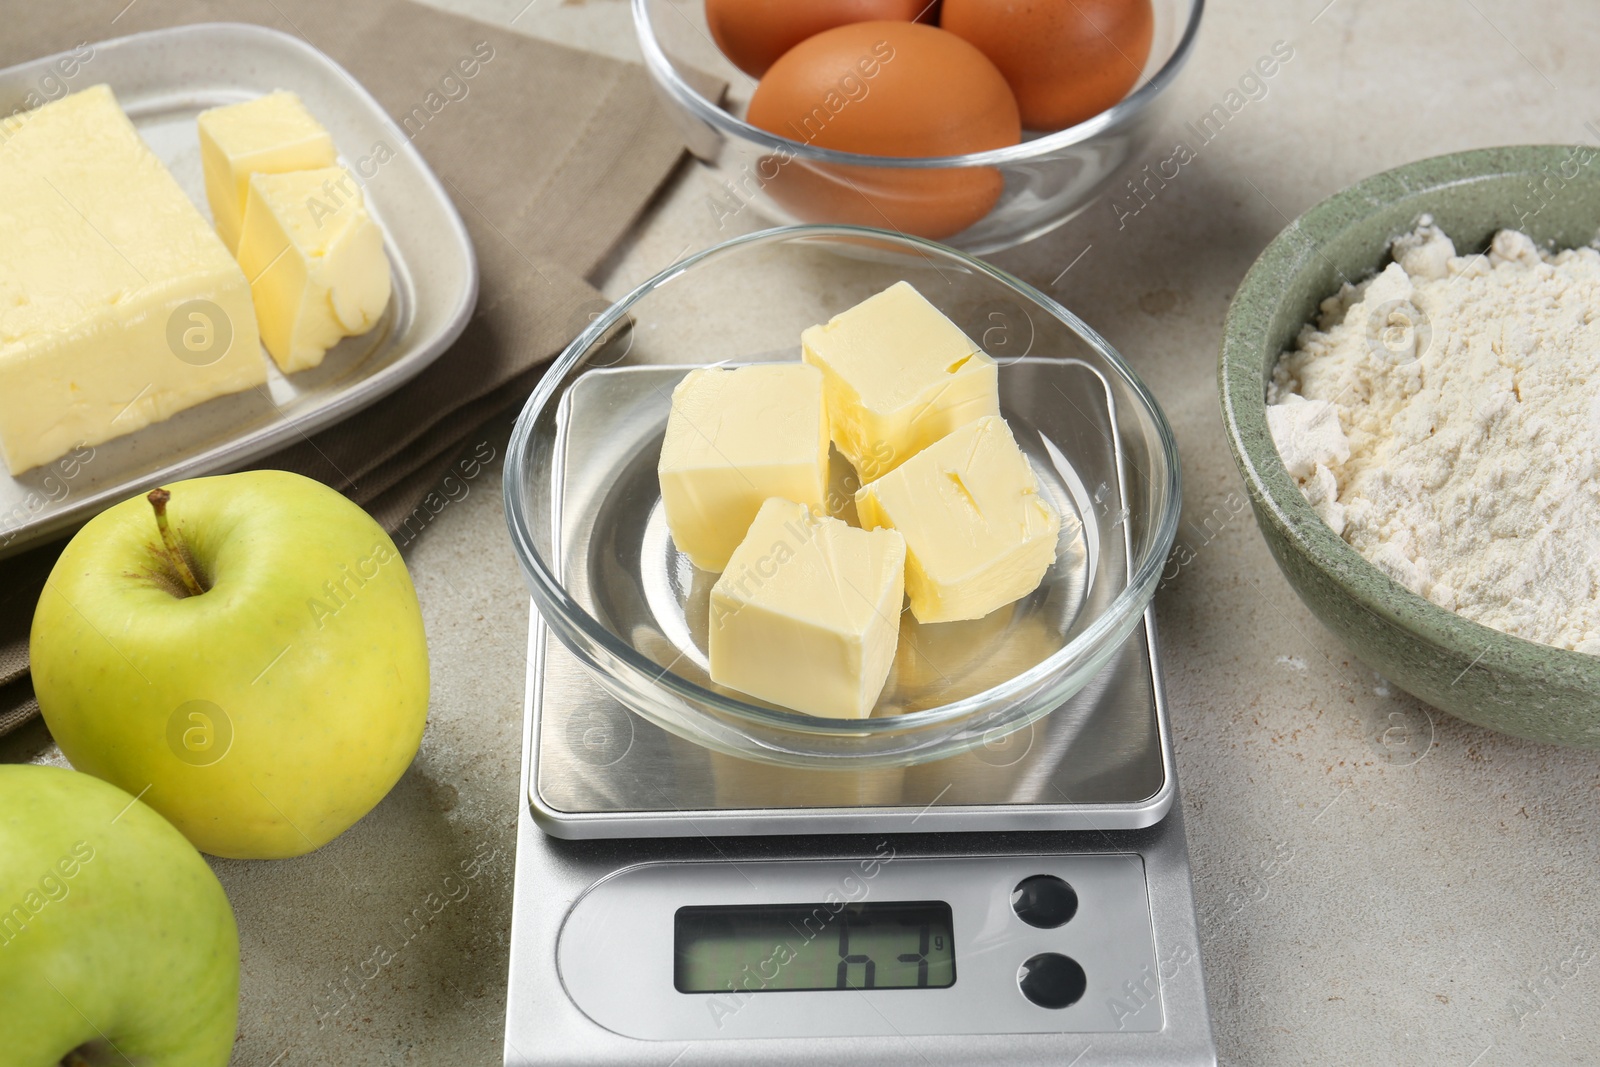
x,y
158,500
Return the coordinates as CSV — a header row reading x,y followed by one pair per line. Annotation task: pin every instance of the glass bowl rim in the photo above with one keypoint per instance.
x,y
688,97
551,595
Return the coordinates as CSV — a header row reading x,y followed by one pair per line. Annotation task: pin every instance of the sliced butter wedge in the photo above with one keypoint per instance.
x,y
271,134
315,262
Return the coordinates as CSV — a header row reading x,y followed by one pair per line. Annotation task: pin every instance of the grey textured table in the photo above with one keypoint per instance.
x,y
1378,883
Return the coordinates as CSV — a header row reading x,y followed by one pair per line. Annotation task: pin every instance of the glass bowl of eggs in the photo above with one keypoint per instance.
x,y
720,491
979,123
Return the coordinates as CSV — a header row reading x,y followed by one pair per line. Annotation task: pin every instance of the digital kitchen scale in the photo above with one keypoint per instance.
x,y
1025,903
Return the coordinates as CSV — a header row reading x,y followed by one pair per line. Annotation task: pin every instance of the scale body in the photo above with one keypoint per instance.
x,y
626,829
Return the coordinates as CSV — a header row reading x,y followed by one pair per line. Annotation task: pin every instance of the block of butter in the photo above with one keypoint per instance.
x,y
899,377
315,262
807,613
271,134
978,534
734,438
118,305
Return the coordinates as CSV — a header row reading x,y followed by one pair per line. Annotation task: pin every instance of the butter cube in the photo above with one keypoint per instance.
x,y
807,613
118,305
271,134
978,535
315,262
899,376
735,438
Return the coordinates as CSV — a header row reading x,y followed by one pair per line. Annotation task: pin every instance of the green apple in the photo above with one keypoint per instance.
x,y
244,652
116,940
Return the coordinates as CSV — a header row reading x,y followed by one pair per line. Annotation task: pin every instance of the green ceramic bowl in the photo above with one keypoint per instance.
x,y
1505,683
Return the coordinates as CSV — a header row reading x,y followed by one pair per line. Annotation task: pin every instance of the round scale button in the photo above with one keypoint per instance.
x,y
1052,980
1045,901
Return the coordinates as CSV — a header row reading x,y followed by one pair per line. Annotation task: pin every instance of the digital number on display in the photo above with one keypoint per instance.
x,y
799,947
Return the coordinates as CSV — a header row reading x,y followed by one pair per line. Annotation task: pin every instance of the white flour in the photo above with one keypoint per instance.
x,y
1444,418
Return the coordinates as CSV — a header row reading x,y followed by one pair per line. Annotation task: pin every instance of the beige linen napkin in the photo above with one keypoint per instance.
x,y
549,158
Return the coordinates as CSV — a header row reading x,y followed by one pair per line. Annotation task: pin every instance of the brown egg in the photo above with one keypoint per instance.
x,y
1066,60
754,33
886,89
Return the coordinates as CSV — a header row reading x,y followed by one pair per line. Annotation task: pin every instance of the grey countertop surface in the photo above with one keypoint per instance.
x,y
1377,882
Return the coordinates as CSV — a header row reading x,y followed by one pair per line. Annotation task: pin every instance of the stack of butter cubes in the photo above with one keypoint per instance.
x,y
297,222
806,612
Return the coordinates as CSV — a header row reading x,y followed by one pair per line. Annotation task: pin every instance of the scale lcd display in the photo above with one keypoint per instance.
x,y
760,948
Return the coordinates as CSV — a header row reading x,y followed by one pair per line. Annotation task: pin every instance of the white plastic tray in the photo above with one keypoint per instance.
x,y
163,79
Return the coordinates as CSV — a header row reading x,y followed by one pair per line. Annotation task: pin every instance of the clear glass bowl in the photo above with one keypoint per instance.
x,y
1048,178
584,505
